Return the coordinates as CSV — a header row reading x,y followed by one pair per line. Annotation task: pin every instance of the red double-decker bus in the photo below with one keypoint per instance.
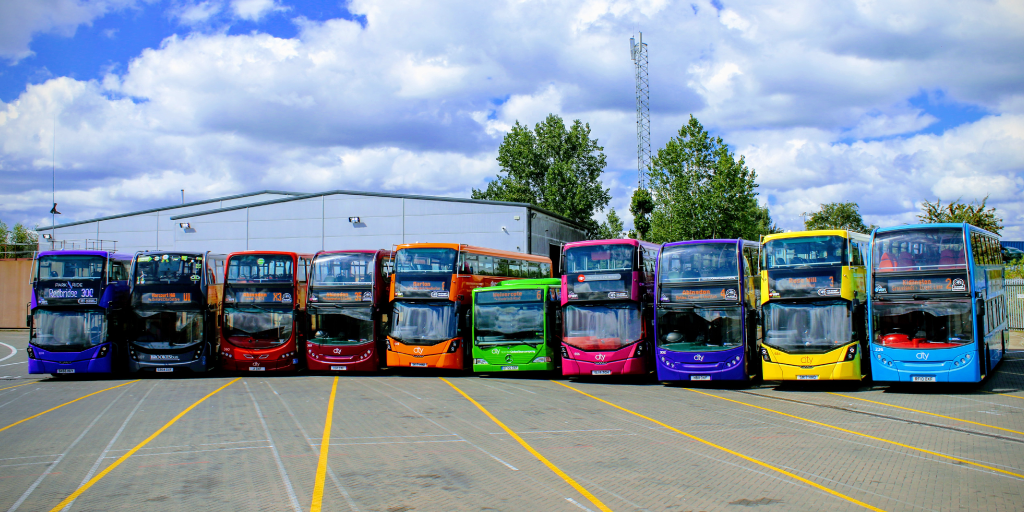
x,y
346,301
263,318
431,291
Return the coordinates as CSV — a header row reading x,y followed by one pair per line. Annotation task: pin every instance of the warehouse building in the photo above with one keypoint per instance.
x,y
340,219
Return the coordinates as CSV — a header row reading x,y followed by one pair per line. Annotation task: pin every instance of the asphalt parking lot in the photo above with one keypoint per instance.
x,y
429,441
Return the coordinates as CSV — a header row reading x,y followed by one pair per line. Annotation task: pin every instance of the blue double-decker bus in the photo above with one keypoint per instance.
x,y
175,299
706,324
937,310
76,322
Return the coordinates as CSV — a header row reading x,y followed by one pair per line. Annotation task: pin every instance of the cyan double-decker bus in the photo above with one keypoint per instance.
x,y
937,309
706,324
78,303
517,326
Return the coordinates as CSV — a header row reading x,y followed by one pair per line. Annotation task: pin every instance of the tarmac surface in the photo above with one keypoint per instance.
x,y
424,441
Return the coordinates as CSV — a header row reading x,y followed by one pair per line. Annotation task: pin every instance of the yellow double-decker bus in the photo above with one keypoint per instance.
x,y
813,303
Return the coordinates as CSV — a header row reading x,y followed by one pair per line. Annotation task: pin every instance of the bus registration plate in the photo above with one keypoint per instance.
x,y
601,372
700,377
163,370
922,378
806,377
503,368
65,370
339,368
257,369
418,365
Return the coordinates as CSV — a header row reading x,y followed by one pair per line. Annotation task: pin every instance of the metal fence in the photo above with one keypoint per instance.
x,y
1015,302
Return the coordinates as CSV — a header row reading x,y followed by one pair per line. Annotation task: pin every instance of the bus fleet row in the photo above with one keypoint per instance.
x,y
922,303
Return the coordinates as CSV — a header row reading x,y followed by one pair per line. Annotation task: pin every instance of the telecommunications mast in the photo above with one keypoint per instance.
x,y
638,51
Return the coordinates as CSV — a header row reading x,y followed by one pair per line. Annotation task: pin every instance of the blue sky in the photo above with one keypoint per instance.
x,y
884,104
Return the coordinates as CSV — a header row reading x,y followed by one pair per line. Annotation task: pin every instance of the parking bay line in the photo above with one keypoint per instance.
x,y
66,403
731,452
325,448
18,386
85,487
931,414
593,499
854,432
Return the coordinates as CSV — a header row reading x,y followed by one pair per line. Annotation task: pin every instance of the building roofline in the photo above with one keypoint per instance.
x,y
378,194
163,208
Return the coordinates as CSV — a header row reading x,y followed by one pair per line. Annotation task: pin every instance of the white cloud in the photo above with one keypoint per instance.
x,y
255,9
20,20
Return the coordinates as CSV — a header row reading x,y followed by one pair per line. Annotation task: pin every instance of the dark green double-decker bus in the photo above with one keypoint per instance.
x,y
517,326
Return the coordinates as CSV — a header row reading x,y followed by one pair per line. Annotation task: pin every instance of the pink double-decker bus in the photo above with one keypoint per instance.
x,y
607,307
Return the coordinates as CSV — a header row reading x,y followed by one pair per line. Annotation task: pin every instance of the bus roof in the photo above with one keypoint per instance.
x,y
112,255
285,253
710,241
186,253
476,250
614,241
818,232
937,225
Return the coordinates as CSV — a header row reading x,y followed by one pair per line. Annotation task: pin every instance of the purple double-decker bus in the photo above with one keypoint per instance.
x,y
706,325
78,299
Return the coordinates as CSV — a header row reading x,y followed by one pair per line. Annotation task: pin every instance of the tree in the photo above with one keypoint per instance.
x,y
5,250
973,214
611,228
554,168
641,205
837,216
700,190
20,241
765,225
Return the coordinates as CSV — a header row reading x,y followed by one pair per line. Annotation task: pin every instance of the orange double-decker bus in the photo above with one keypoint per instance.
x,y
264,311
431,291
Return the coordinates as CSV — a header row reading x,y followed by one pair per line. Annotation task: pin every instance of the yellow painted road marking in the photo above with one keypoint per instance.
x,y
983,391
593,499
85,487
18,386
325,444
901,445
724,449
63,404
930,414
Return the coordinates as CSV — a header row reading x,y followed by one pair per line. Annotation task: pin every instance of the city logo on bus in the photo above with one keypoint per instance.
x,y
807,360
599,357
959,285
828,291
921,355
495,350
337,351
417,350
698,357
255,364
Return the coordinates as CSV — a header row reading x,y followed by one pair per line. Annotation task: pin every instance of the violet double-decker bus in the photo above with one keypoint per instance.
x,y
78,300
348,294
706,325
607,306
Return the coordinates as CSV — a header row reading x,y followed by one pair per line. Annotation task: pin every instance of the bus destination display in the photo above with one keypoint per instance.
x,y
341,296
166,298
259,296
804,283
497,297
68,292
928,284
706,293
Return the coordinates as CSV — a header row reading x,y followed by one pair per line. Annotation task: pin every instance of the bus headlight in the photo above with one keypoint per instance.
x,y
103,351
454,346
565,353
480,361
764,355
544,359
639,349
31,353
851,353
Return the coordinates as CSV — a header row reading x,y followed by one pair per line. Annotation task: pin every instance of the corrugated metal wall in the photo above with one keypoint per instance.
x,y
1015,300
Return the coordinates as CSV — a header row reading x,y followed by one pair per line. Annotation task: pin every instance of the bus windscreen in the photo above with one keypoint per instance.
x,y
343,269
424,323
260,268
69,330
602,327
919,249
343,326
697,262
700,329
422,259
64,267
811,328
166,329
168,269
805,251
591,258
923,324
509,323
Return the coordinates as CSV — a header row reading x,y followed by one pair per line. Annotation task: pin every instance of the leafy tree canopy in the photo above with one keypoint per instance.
x,y
700,190
17,242
641,205
837,216
611,228
973,214
553,167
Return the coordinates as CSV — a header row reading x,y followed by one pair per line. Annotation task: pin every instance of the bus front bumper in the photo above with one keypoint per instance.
x,y
60,363
629,366
191,360
513,367
351,358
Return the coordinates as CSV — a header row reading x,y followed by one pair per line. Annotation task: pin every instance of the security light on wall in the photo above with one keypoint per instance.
x,y
184,225
47,236
354,220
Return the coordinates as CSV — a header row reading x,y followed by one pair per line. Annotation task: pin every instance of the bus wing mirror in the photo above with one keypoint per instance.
x,y
979,305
